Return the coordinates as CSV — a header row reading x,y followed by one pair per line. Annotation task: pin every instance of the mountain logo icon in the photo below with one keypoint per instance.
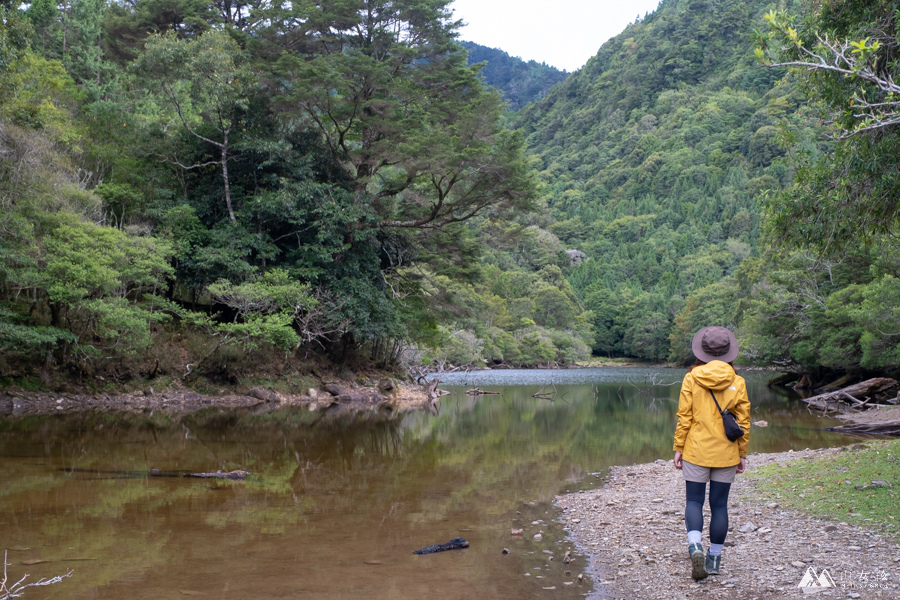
x,y
813,582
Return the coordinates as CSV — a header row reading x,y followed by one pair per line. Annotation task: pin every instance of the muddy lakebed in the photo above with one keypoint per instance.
x,y
334,508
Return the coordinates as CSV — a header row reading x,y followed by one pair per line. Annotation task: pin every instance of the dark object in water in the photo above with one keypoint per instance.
x,y
454,544
236,475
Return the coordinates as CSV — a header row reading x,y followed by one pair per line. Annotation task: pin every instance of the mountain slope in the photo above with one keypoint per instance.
x,y
653,156
520,82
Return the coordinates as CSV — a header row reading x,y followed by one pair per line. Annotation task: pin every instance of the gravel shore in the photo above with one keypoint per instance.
x,y
632,531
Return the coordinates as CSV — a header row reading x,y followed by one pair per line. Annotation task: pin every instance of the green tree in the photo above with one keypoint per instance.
x,y
715,304
42,14
13,40
844,52
410,125
205,82
84,56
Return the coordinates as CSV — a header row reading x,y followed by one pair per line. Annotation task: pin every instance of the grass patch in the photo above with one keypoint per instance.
x,y
840,486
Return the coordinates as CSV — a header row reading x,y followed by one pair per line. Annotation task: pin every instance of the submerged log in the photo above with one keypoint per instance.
x,y
454,544
236,475
479,392
857,395
883,428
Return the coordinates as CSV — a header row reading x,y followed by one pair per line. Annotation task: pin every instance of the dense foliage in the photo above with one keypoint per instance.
x,y
520,82
653,155
826,295
260,174
183,183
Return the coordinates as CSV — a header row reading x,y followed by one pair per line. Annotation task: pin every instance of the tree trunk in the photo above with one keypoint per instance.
x,y
224,149
432,394
45,370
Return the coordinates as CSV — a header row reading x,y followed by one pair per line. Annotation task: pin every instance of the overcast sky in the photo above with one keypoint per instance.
x,y
562,33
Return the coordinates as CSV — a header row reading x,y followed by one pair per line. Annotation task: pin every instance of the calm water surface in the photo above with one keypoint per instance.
x,y
335,509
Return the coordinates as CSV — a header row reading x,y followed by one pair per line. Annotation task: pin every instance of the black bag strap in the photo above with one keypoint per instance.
x,y
717,402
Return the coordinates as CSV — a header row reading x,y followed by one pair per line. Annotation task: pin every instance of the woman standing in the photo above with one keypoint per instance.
x,y
702,452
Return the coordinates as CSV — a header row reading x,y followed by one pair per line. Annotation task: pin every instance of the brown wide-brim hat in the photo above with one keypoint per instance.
x,y
715,343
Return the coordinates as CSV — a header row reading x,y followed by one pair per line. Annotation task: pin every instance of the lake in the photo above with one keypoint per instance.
x,y
334,509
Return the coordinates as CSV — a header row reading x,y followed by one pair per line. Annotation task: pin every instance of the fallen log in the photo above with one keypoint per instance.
x,y
479,392
836,385
853,393
883,428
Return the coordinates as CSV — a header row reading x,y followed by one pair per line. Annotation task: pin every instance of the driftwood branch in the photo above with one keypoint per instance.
x,y
18,588
546,395
870,387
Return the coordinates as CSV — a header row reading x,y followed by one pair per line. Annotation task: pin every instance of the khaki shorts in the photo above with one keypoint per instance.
x,y
698,474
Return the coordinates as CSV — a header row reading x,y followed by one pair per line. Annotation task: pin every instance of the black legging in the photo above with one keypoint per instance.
x,y
718,505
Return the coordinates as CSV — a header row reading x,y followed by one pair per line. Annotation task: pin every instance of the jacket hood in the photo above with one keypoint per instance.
x,y
714,375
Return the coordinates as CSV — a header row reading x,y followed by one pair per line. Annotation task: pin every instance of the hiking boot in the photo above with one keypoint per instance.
x,y
698,562
712,564
694,548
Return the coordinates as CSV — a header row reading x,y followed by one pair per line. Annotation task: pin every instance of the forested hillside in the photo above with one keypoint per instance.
x,y
520,82
654,157
699,177
827,292
185,186
214,188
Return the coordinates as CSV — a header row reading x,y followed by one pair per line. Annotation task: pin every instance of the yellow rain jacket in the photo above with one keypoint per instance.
x,y
700,434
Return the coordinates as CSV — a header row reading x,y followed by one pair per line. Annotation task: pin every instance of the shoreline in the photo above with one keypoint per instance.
x,y
392,399
631,532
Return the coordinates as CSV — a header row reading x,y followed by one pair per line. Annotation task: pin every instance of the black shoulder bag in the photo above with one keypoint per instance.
x,y
733,431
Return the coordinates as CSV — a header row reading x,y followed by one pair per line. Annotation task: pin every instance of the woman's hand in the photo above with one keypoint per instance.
x,y
743,466
677,461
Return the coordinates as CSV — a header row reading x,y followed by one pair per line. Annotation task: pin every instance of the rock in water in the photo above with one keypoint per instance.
x,y
454,544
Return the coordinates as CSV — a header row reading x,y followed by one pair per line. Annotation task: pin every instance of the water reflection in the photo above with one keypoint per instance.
x,y
334,509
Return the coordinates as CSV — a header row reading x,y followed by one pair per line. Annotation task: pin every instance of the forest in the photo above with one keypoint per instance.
x,y
209,188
